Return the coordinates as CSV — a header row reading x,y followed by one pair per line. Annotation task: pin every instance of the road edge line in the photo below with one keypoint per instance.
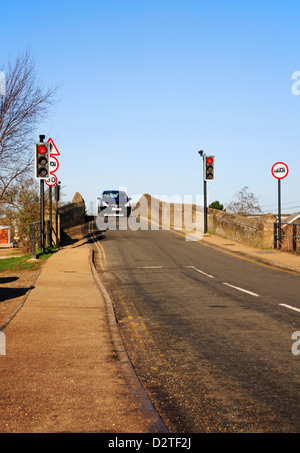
x,y
156,425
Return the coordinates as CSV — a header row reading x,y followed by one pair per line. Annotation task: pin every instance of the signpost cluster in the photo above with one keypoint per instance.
x,y
279,170
46,164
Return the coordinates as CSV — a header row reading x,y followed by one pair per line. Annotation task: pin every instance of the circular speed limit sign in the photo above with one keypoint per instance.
x,y
280,170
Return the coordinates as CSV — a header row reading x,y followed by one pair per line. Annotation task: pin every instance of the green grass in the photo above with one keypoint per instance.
x,y
22,263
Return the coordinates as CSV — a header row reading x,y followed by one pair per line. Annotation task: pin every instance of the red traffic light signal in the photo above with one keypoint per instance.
x,y
209,168
42,157
42,149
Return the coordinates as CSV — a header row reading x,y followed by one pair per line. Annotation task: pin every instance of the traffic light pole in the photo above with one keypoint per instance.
x,y
42,219
204,193
205,206
42,223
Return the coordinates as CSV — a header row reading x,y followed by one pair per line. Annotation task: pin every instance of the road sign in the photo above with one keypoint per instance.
x,y
53,163
280,170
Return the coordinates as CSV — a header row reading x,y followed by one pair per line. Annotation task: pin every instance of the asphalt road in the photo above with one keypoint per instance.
x,y
209,335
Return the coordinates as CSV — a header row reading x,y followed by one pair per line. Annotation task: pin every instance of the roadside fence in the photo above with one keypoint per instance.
x,y
288,238
41,237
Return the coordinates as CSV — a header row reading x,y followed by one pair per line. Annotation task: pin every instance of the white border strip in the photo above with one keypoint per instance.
x,y
242,289
201,272
290,307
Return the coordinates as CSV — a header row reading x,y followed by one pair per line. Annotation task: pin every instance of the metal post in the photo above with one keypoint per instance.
x,y
50,214
275,235
205,207
294,237
32,230
279,214
202,154
57,198
42,224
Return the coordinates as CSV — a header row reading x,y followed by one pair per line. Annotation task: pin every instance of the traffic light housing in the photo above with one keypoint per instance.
x,y
42,158
209,168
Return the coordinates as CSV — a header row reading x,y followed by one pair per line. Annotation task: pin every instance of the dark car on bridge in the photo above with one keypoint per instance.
x,y
114,203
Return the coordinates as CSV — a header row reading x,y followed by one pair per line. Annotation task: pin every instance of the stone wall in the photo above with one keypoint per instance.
x,y
256,232
251,231
169,215
73,213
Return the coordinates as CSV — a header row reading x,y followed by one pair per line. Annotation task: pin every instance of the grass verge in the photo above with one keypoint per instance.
x,y
24,263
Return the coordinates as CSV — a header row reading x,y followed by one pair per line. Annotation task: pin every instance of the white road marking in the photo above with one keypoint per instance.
x,y
242,289
201,272
290,307
151,267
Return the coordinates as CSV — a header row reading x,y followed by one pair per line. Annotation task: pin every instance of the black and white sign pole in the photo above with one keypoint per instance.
x,y
279,171
279,213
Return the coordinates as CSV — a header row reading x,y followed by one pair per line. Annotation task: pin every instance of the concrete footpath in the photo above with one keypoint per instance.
x,y
286,261
64,369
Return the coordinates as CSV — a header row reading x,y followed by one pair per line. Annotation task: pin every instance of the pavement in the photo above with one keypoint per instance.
x,y
285,261
65,368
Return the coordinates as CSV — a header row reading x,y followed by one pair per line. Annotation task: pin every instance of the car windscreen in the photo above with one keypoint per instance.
x,y
115,195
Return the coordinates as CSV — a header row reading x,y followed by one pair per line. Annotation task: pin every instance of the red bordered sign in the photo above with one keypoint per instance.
x,y
54,164
280,170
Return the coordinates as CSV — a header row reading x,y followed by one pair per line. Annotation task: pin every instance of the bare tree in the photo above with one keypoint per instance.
x,y
24,104
244,203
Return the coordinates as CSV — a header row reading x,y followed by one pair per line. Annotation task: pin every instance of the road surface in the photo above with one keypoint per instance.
x,y
209,334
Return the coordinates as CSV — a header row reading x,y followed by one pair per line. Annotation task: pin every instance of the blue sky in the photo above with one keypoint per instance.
x,y
146,84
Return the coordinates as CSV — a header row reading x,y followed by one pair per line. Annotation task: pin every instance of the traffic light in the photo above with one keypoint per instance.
x,y
209,168
42,157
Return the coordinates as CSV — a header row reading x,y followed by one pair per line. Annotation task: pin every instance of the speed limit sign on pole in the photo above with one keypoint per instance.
x,y
279,171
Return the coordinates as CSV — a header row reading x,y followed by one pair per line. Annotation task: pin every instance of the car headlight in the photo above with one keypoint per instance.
x,y
127,205
103,203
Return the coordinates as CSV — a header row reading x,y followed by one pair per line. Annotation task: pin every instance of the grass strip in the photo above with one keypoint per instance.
x,y
24,262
